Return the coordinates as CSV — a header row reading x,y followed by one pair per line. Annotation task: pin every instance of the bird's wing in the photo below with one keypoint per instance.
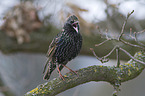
x,y
51,50
54,44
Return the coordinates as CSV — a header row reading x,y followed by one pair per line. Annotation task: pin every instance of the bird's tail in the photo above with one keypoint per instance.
x,y
50,67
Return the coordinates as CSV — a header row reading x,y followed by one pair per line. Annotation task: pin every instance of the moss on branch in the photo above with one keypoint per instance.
x,y
125,72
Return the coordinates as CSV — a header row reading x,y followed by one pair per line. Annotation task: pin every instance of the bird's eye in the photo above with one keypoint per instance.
x,y
71,22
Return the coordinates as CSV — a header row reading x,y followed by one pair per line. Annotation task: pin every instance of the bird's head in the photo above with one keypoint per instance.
x,y
74,22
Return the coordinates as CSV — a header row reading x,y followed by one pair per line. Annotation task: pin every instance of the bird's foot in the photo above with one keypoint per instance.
x,y
70,70
61,77
60,74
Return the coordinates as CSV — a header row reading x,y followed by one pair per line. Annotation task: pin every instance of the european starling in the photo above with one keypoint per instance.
x,y
64,47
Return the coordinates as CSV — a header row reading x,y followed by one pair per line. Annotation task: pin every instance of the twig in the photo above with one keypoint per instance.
x,y
103,60
135,36
110,52
131,34
132,56
122,30
117,54
127,43
116,90
106,31
95,54
99,31
141,44
140,31
102,43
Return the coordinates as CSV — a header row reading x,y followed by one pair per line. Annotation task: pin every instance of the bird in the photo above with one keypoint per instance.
x,y
63,48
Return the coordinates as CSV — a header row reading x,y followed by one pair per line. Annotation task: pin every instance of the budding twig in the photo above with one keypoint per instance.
x,y
124,24
117,47
131,56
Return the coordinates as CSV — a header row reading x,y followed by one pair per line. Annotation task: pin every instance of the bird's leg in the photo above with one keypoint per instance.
x,y
59,72
69,69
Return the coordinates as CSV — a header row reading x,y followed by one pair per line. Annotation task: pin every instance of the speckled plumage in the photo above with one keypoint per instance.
x,y
64,47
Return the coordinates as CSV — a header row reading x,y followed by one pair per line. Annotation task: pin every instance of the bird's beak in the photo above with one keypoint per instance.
x,y
76,26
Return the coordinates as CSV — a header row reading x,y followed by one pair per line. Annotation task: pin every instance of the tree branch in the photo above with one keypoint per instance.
x,y
112,75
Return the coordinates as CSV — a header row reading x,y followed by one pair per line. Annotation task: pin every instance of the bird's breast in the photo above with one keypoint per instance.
x,y
68,49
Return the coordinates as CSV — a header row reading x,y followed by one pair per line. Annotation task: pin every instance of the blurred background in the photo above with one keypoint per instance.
x,y
28,26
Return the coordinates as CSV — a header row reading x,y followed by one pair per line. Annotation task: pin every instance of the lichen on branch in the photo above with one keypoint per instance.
x,y
110,74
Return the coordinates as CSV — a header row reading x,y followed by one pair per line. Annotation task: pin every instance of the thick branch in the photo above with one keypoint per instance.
x,y
109,74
